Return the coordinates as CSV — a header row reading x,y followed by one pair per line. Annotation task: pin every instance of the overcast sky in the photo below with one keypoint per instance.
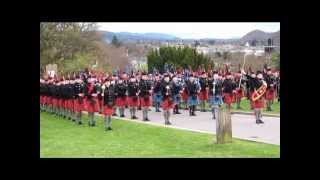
x,y
192,30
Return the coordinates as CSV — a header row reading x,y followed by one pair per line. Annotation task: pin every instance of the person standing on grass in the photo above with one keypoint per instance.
x,y
120,93
167,101
133,96
144,94
108,95
215,93
78,99
91,100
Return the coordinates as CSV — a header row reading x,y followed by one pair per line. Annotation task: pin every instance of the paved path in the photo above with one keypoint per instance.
x,y
243,126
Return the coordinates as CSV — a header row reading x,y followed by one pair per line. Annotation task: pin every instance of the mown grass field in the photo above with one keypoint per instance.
x,y
63,138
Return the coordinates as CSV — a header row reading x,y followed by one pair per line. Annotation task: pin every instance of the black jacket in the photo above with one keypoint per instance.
x,y
218,87
109,95
228,86
132,88
144,87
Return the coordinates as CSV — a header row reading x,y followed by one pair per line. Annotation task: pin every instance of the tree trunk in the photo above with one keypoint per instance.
x,y
224,126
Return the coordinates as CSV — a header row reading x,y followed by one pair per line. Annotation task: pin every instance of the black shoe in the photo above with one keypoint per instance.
x,y
259,121
108,129
167,123
134,117
178,112
158,111
122,115
146,119
114,114
80,123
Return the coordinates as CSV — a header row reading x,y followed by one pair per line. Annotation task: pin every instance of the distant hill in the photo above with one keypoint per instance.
x,y
261,36
127,36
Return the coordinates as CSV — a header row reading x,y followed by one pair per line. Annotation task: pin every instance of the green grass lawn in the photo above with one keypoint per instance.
x,y
63,138
245,105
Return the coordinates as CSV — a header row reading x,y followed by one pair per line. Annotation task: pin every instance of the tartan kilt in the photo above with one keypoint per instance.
x,y
166,104
185,96
55,102
145,102
215,100
228,98
157,97
107,110
132,101
193,100
258,103
121,101
239,94
270,94
48,100
78,107
41,99
203,95
70,104
92,107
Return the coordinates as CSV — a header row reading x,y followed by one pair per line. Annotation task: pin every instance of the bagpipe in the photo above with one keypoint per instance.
x,y
259,92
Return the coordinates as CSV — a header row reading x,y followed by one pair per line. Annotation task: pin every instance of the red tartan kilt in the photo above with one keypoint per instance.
x,y
228,98
70,104
166,105
77,106
132,102
107,111
55,102
203,95
258,103
49,100
121,101
239,94
92,107
145,102
270,94
251,102
185,96
41,99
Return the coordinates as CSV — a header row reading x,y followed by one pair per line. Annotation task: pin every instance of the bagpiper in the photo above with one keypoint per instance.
x,y
270,80
176,93
144,95
78,99
108,94
215,93
91,99
192,90
167,101
228,90
121,101
203,95
133,101
157,97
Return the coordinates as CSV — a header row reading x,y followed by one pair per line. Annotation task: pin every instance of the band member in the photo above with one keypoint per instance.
x,y
257,83
228,90
91,99
270,88
144,95
114,81
78,99
157,93
192,90
121,89
239,90
108,94
176,93
133,88
203,95
167,102
215,93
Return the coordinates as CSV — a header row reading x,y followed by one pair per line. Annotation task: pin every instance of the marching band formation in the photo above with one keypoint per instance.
x,y
98,93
